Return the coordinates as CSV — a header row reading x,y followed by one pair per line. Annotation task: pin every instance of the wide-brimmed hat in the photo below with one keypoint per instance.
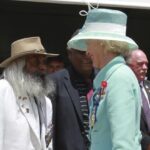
x,y
26,46
102,24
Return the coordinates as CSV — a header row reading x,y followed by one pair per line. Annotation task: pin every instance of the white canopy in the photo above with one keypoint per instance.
x,y
138,4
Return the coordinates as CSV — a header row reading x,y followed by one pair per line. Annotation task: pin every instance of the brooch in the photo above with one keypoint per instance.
x,y
96,99
103,88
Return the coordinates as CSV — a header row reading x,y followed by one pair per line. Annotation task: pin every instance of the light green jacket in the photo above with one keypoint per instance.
x,y
118,115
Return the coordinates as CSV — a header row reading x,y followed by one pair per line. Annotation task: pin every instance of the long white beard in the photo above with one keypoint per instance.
x,y
32,85
25,84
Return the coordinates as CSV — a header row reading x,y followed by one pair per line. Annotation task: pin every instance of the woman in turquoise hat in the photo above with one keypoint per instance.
x,y
115,104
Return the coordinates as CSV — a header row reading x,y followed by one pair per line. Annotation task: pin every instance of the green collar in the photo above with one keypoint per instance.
x,y
107,70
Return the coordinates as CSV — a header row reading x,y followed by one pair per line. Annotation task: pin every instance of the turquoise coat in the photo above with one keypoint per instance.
x,y
117,125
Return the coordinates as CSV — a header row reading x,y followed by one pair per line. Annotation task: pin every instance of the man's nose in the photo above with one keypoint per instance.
x,y
88,54
42,67
145,66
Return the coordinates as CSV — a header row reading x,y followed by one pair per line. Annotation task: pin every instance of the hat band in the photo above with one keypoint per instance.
x,y
14,53
104,27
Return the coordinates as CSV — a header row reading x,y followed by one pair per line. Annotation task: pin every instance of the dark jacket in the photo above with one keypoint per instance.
x,y
68,120
144,129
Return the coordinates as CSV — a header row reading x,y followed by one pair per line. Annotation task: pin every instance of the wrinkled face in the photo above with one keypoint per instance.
x,y
139,65
54,66
36,64
94,50
81,62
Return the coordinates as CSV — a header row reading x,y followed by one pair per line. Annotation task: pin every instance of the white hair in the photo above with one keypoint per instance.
x,y
117,47
25,84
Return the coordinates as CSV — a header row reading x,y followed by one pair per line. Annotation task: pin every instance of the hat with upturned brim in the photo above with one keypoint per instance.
x,y
102,24
24,47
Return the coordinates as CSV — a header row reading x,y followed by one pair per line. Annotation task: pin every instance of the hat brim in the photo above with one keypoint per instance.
x,y
6,62
79,41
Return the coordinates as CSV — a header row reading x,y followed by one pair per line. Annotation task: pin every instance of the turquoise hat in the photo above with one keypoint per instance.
x,y
102,24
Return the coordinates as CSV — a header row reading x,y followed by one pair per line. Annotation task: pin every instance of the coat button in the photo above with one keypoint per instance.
x,y
24,98
22,105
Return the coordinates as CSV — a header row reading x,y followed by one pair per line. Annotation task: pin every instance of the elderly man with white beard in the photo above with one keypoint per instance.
x,y
25,111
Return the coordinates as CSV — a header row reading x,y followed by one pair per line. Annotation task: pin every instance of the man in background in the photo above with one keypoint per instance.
x,y
54,64
71,106
138,62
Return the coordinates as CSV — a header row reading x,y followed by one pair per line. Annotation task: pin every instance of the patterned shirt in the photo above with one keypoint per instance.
x,y
83,88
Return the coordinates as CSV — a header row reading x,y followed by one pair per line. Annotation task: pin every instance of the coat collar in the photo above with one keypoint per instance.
x,y
74,96
107,70
27,111
146,85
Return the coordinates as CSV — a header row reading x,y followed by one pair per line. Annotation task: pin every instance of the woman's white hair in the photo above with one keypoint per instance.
x,y
117,47
24,83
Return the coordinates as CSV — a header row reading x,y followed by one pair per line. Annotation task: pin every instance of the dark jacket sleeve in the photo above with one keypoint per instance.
x,y
145,141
